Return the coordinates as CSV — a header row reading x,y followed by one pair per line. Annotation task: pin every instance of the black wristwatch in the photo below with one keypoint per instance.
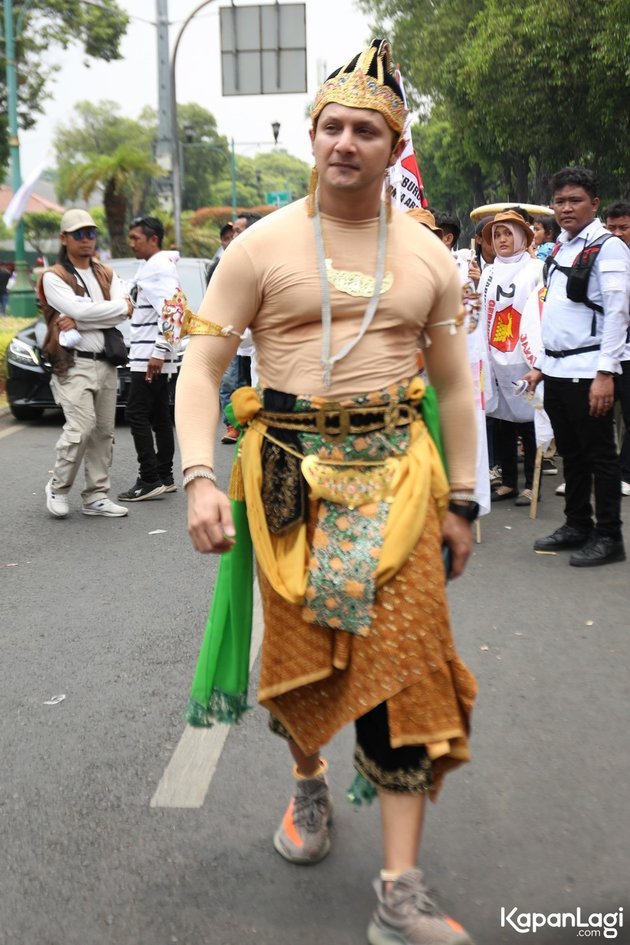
x,y
467,510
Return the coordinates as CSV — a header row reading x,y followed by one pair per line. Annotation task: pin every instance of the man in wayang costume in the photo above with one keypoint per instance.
x,y
347,500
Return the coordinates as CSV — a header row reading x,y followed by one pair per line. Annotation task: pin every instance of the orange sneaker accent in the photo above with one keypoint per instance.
x,y
453,924
289,827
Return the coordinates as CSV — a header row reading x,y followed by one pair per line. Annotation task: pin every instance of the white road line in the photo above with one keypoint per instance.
x,y
10,430
189,773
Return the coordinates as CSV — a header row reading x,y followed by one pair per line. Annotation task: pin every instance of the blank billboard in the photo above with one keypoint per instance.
x,y
263,49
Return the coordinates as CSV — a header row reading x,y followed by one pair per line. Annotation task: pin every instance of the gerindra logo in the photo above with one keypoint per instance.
x,y
595,925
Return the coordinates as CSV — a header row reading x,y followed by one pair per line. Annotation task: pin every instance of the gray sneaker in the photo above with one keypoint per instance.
x,y
303,837
405,915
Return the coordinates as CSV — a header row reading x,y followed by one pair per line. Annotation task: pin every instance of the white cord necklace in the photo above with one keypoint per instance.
x,y
329,361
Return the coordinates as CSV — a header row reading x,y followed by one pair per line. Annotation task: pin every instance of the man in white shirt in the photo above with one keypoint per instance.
x,y
152,361
617,217
82,295
584,329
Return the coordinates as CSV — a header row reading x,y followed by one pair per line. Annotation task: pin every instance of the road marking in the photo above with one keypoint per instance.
x,y
189,773
10,430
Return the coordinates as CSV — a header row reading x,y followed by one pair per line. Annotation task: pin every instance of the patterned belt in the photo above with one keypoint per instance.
x,y
335,422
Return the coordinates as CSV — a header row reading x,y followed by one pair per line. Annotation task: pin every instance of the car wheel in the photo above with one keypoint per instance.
x,y
26,413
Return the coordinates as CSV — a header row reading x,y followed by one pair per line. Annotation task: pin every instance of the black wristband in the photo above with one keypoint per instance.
x,y
467,510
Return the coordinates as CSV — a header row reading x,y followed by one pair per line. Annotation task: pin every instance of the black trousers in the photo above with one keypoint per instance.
x,y
506,434
148,412
622,389
591,463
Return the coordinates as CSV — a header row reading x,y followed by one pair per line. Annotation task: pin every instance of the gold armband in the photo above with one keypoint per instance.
x,y
193,325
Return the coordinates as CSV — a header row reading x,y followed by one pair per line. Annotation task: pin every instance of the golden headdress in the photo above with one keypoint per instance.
x,y
365,82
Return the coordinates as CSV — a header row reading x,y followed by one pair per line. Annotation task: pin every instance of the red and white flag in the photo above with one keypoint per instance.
x,y
404,177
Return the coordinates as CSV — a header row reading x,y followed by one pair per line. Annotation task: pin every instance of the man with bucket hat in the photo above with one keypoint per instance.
x,y
82,294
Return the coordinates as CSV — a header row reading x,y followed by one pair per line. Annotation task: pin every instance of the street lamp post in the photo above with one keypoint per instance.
x,y
22,302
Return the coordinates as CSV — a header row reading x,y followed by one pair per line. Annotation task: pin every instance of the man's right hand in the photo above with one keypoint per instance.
x,y
210,524
533,378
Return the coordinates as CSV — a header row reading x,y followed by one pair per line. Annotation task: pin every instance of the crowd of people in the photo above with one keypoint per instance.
x,y
324,344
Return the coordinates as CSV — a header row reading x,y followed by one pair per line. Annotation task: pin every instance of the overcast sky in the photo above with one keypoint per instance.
x,y
335,32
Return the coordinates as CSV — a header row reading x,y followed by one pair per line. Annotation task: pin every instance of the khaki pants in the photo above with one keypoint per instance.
x,y
87,396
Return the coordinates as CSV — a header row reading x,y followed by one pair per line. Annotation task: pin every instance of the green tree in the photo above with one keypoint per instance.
x,y
96,28
120,174
40,228
91,158
205,154
255,177
531,88
99,128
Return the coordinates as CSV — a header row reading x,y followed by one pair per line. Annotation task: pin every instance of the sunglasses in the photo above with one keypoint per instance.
x,y
85,233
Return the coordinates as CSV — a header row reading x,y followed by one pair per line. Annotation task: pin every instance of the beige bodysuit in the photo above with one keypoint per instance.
x,y
269,280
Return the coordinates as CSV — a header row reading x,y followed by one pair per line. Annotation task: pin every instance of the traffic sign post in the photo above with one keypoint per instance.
x,y
278,198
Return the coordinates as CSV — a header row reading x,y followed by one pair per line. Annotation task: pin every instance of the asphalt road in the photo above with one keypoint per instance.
x,y
111,616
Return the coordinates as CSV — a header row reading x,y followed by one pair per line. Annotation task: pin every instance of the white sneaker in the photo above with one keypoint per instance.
x,y
56,504
104,507
625,488
562,488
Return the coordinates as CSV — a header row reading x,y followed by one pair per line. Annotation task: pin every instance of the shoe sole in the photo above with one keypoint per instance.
x,y
171,488
377,935
159,490
611,559
228,441
57,514
104,514
560,547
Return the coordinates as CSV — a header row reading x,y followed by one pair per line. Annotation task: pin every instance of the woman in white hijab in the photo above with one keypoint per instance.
x,y
504,288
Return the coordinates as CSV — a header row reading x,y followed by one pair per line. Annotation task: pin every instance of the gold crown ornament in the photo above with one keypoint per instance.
x,y
365,82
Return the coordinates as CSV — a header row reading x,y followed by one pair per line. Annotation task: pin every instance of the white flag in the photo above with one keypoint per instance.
x,y
13,213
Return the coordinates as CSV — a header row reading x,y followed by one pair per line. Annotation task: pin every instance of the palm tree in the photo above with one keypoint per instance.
x,y
122,176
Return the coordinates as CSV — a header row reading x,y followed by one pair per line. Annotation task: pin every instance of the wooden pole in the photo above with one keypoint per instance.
x,y
536,483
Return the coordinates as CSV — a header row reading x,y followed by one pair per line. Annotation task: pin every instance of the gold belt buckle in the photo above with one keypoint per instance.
x,y
332,407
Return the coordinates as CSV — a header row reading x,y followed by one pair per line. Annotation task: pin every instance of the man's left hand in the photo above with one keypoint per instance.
x,y
601,397
457,534
154,368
